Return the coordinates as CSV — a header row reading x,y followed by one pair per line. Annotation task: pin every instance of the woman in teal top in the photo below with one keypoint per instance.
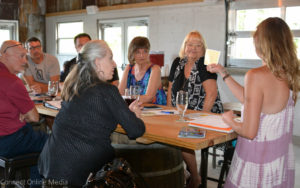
x,y
141,72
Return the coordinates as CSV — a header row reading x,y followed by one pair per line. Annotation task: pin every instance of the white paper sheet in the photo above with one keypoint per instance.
x,y
211,122
211,57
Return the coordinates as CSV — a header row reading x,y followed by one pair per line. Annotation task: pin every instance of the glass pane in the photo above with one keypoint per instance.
x,y
134,31
113,37
4,35
245,49
69,30
293,17
66,46
247,20
297,42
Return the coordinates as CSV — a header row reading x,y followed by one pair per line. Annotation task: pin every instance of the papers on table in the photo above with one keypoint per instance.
x,y
210,122
197,115
159,112
211,57
153,107
39,97
56,105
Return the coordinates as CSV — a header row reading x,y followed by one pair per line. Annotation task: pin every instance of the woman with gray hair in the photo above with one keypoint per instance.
x,y
91,110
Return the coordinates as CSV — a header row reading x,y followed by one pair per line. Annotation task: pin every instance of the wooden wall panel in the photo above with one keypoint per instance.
x,y
31,20
9,9
68,5
51,6
103,3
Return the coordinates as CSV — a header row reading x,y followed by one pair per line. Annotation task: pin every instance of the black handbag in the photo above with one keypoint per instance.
x,y
115,174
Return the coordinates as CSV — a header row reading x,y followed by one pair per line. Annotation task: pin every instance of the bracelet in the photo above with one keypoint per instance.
x,y
226,76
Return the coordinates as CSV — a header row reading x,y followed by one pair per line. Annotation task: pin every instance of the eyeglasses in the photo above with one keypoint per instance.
x,y
35,47
19,44
197,45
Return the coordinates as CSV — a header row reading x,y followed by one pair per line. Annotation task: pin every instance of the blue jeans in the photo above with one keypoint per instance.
x,y
25,140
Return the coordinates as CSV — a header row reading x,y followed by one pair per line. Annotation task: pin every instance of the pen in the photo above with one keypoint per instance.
x,y
167,112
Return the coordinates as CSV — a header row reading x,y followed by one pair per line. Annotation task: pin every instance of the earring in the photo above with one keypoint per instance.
x,y
101,74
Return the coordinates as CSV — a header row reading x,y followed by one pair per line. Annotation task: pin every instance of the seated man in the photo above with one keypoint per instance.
x,y
17,109
79,42
42,67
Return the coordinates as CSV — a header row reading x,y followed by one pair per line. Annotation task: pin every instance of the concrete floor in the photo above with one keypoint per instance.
x,y
215,172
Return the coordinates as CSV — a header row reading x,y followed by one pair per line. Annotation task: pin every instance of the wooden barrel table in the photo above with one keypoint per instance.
x,y
161,166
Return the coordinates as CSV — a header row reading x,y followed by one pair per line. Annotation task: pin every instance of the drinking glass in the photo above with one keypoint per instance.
x,y
181,103
135,92
52,88
127,97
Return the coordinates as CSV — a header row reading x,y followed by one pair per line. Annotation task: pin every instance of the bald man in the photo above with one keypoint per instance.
x,y
16,108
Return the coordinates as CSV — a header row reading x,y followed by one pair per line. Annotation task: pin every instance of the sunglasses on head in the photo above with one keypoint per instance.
x,y
19,44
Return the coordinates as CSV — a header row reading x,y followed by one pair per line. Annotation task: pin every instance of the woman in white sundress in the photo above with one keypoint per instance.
x,y
264,152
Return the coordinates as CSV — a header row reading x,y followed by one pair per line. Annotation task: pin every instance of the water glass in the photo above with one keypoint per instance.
x,y
135,92
52,88
181,103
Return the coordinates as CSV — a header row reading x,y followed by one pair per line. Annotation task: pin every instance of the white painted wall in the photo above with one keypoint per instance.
x,y
168,26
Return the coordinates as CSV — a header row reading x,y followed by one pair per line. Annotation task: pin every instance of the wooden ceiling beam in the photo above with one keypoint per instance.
x,y
127,6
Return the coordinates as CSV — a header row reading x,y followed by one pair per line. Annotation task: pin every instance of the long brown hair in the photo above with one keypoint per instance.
x,y
273,41
83,75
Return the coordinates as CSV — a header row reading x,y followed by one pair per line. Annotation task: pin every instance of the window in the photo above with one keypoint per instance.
x,y
293,20
119,33
242,23
8,30
65,37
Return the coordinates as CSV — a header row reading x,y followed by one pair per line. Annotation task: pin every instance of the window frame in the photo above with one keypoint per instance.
x,y
232,32
124,23
12,26
58,39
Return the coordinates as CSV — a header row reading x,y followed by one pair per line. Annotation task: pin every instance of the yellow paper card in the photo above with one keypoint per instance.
x,y
211,57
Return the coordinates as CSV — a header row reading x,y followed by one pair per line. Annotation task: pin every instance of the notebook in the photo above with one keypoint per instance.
x,y
191,132
56,105
211,122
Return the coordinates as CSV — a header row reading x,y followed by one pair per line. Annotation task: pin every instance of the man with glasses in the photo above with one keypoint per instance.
x,y
42,67
79,42
17,110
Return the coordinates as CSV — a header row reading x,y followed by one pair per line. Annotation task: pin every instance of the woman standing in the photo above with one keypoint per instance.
x,y
141,72
264,152
189,73
91,110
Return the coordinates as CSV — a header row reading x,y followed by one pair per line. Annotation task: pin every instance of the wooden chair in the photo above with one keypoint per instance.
x,y
11,165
